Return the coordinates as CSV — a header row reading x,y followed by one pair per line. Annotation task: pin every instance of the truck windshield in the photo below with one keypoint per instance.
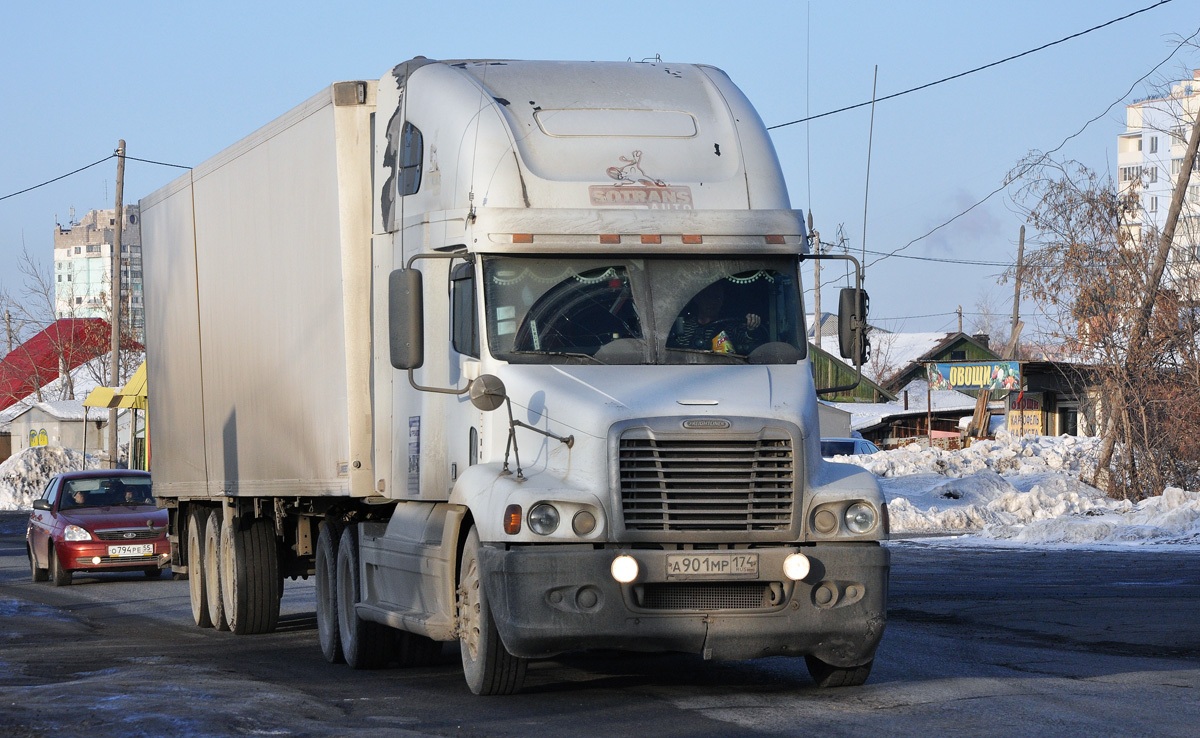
x,y
624,310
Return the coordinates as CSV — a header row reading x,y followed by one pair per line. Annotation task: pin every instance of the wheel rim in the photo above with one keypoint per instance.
x,y
469,609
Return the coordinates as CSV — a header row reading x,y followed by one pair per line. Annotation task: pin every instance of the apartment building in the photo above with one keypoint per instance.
x,y
83,267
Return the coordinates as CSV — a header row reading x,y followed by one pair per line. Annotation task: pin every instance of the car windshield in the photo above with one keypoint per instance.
x,y
624,310
106,491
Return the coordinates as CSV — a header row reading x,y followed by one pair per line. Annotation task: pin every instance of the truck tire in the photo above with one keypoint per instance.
x,y
36,573
487,665
827,675
365,645
414,650
250,576
212,571
61,576
326,565
195,562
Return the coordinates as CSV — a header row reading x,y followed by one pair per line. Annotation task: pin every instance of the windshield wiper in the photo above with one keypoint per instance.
x,y
566,354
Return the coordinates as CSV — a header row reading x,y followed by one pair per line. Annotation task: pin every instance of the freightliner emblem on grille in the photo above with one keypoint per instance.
x,y
706,424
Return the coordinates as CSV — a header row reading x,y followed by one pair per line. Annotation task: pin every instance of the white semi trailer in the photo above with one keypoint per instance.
x,y
508,353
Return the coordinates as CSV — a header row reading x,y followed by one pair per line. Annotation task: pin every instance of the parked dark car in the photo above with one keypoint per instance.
x,y
98,520
847,447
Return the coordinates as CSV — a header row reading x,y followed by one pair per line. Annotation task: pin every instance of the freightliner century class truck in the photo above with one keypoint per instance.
x,y
512,354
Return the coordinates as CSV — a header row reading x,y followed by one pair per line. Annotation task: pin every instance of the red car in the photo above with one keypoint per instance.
x,y
97,520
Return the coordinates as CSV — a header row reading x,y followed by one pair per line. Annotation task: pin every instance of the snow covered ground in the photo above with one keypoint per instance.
x,y
1022,491
1011,491
24,475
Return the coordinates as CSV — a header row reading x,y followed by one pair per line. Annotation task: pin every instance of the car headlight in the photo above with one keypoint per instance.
x,y
75,533
860,518
543,519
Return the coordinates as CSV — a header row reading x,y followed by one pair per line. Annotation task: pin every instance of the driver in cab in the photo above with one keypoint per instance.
x,y
705,325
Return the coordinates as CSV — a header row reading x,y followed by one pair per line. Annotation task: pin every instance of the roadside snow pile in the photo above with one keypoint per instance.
x,y
1023,490
24,475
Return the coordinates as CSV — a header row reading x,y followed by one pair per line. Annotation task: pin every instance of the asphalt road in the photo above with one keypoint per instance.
x,y
980,642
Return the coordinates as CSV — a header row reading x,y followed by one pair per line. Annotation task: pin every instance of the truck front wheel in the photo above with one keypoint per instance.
x,y
487,665
827,675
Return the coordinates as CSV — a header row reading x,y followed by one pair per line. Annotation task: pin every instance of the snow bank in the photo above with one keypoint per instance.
x,y
1023,490
23,476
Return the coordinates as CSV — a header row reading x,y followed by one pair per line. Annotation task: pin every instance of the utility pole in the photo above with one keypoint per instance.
x,y
115,290
959,311
1012,351
819,325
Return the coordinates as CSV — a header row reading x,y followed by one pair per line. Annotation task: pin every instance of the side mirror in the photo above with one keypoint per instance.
x,y
487,392
406,319
853,305
41,504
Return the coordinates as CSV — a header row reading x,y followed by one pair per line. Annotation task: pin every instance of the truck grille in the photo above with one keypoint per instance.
x,y
707,596
707,484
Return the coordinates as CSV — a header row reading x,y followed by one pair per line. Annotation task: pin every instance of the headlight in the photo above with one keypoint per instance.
x,y
75,533
860,518
543,519
624,568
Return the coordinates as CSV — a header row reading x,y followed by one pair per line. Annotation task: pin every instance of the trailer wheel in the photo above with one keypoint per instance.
x,y
328,539
61,576
487,665
827,675
365,644
414,650
195,561
36,573
212,571
250,576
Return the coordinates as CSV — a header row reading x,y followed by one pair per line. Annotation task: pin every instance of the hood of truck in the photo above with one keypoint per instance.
x,y
590,399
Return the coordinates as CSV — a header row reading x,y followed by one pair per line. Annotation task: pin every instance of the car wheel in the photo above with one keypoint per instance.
x,y
328,540
366,645
212,571
487,665
827,675
195,563
36,573
61,576
250,582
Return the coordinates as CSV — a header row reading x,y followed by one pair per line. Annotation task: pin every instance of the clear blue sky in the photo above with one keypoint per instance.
x,y
179,81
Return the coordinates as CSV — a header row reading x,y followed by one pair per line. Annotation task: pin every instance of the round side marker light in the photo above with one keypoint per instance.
x,y
624,569
796,566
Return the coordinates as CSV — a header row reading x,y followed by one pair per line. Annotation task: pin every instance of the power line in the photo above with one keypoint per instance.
x,y
972,71
160,163
50,181
89,166
1028,166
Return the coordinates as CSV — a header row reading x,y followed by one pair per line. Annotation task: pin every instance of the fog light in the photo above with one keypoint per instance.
x,y
543,519
796,566
583,522
95,559
860,518
624,569
825,522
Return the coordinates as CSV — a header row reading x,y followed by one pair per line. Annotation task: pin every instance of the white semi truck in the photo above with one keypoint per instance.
x,y
512,354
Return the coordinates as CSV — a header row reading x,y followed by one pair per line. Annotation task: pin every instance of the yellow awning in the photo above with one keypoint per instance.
x,y
102,397
132,395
